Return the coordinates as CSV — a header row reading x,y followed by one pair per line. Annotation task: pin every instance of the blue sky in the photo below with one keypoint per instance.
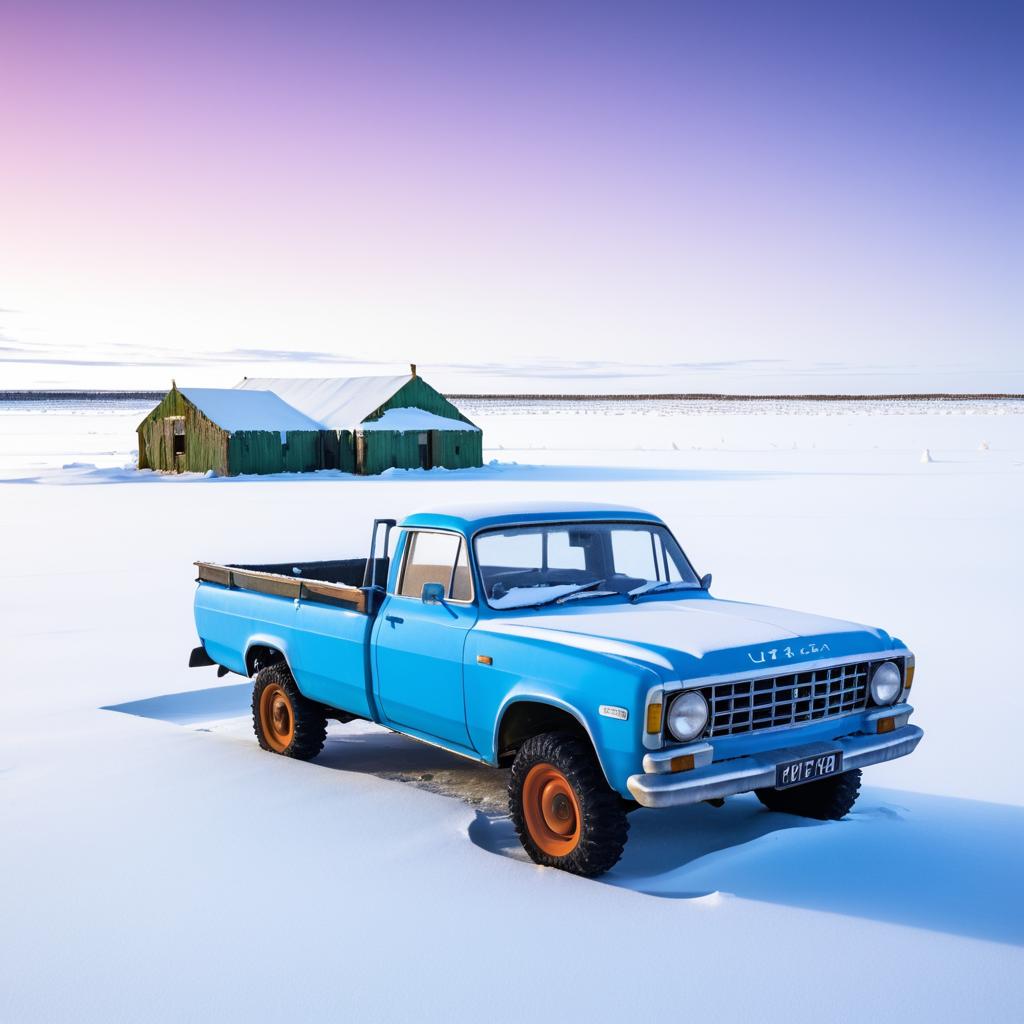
x,y
671,194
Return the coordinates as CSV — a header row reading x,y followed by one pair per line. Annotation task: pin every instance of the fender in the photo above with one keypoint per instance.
x,y
537,698
275,643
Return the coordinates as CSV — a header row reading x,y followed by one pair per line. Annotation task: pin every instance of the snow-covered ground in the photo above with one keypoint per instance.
x,y
158,866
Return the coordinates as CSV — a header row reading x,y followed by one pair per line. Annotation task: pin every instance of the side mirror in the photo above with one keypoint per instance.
x,y
433,593
705,581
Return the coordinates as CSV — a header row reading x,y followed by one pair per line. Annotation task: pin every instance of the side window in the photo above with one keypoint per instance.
x,y
436,558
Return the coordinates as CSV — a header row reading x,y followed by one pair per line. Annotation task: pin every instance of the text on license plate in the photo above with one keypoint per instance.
x,y
807,769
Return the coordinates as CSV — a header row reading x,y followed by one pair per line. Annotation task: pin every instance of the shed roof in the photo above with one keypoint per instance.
x,y
337,403
234,410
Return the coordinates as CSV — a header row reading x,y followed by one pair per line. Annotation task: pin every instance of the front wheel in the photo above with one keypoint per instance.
x,y
826,800
564,812
284,721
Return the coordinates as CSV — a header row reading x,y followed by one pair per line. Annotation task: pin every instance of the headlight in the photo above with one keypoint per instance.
x,y
886,683
687,716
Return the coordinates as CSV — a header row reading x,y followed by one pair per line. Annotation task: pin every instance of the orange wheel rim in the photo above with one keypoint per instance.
x,y
277,717
551,810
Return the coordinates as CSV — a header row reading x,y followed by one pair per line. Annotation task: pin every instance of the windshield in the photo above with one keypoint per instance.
x,y
530,565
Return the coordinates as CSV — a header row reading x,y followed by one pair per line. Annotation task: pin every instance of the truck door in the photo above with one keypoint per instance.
x,y
419,647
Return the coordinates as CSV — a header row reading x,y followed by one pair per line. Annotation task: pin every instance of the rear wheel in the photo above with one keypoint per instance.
x,y
284,721
564,812
826,800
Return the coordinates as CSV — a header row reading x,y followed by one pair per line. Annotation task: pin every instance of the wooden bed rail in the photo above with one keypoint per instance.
x,y
292,587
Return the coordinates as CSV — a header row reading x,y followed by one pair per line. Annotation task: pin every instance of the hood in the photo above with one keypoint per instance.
x,y
697,634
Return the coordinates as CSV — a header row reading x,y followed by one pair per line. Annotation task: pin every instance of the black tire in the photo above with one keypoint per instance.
x,y
824,800
602,826
307,723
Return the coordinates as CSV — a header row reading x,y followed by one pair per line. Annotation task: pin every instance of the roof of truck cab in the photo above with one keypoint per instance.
x,y
472,517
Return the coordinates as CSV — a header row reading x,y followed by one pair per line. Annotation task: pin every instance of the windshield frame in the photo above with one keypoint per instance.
x,y
651,524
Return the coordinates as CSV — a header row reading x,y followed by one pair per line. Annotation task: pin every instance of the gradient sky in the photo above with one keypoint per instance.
x,y
777,190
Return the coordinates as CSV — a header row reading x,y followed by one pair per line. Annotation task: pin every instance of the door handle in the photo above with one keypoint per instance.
x,y
395,620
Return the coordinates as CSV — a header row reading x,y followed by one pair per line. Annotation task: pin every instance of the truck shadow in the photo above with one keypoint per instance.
x,y
370,750
935,862
192,707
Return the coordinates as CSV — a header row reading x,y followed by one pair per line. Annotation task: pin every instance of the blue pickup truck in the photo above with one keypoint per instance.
x,y
576,646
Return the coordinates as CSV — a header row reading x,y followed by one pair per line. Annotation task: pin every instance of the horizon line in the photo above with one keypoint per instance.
x,y
97,394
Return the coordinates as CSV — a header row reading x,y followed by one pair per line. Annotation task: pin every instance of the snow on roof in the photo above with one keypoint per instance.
x,y
486,509
234,410
337,403
415,419
478,514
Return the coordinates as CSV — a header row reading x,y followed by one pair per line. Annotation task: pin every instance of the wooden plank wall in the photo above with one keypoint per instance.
x,y
338,451
261,451
206,445
387,449
458,449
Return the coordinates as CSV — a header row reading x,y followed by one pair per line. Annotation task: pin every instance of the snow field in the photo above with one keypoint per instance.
x,y
162,867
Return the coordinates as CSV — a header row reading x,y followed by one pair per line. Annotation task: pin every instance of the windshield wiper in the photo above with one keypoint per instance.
x,y
658,587
559,598
577,595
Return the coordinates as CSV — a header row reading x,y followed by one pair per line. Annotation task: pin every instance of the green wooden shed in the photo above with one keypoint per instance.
x,y
273,425
381,423
228,431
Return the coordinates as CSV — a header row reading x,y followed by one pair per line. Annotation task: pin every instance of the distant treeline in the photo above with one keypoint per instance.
x,y
718,397
946,396
81,396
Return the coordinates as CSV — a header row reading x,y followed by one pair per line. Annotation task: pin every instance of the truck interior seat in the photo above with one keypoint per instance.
x,y
416,575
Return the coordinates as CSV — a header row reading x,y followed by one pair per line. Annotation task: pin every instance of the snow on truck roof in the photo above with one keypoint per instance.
x,y
337,403
474,516
235,410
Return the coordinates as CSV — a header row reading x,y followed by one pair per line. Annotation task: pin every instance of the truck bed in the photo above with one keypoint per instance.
x,y
336,582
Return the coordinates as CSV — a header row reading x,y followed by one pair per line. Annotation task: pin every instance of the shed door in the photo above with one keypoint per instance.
x,y
426,450
178,443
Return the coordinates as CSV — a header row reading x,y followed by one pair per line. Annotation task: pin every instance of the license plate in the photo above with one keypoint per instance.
x,y
807,769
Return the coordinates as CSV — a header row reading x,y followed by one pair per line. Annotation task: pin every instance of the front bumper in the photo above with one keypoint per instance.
x,y
757,771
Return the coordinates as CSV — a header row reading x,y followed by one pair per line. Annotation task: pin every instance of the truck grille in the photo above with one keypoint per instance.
x,y
774,701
